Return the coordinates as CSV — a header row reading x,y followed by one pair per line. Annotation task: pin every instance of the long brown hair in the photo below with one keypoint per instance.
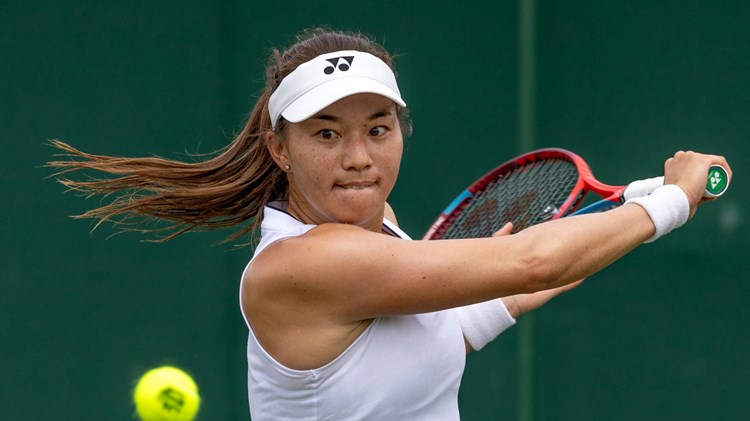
x,y
225,190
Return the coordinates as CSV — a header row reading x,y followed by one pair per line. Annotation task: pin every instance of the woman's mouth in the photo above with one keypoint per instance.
x,y
356,185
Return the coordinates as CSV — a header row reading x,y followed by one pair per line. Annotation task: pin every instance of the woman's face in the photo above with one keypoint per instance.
x,y
343,161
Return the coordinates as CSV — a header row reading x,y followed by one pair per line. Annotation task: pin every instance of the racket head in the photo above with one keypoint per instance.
x,y
536,187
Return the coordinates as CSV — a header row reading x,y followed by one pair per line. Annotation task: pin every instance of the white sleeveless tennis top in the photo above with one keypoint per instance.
x,y
400,368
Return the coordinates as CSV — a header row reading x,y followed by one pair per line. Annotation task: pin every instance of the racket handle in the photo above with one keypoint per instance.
x,y
717,182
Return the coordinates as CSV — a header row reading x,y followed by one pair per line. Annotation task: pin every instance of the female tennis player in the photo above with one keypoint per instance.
x,y
347,318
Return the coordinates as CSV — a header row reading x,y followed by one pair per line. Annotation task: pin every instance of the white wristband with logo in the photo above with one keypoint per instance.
x,y
668,207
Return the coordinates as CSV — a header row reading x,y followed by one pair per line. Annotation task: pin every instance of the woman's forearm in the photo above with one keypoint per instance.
x,y
574,248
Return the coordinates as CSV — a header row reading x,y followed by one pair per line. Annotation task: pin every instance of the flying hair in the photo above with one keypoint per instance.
x,y
225,189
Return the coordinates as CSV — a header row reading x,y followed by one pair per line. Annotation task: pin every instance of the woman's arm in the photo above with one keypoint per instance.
x,y
523,303
352,274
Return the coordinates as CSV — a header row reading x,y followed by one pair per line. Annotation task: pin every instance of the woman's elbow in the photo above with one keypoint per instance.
x,y
539,271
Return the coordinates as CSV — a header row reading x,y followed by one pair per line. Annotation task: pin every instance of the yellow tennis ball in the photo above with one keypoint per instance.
x,y
166,394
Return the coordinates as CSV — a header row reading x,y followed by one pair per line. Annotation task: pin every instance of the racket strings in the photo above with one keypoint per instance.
x,y
527,195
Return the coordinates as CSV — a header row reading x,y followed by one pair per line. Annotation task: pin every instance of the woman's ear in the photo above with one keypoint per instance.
x,y
277,149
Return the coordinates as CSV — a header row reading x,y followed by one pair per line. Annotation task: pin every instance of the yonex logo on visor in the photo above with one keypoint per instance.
x,y
320,82
343,66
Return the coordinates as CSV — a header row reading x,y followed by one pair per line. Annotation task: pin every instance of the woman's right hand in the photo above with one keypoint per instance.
x,y
689,170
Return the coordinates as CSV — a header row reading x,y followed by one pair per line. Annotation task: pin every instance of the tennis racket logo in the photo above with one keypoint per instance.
x,y
337,63
716,182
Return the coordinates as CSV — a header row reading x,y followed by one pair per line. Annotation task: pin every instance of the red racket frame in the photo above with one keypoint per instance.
x,y
586,182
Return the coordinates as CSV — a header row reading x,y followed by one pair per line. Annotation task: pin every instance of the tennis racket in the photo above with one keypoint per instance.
x,y
540,186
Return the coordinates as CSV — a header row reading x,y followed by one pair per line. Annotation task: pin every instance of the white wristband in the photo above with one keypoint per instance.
x,y
482,322
668,207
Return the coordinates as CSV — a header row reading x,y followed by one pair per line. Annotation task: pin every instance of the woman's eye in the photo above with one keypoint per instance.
x,y
377,131
327,134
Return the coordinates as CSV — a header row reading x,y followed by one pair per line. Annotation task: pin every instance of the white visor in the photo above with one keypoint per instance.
x,y
320,82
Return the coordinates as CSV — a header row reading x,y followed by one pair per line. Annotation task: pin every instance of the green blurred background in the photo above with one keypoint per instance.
x,y
661,334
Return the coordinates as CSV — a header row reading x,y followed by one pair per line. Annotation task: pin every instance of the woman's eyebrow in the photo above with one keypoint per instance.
x,y
325,117
385,113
